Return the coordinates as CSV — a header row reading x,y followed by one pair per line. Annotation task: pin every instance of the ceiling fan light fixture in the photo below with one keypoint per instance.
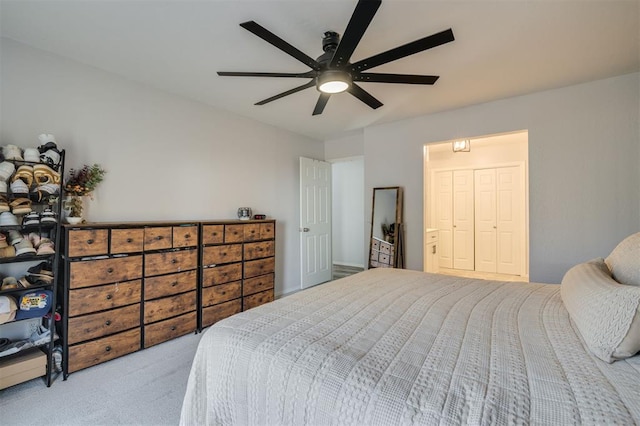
x,y
333,81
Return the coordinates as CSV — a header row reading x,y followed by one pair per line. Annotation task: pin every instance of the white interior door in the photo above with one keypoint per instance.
x,y
486,219
443,213
510,220
315,222
463,220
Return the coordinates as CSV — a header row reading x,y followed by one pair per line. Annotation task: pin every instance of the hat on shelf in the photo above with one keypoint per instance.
x,y
8,308
34,304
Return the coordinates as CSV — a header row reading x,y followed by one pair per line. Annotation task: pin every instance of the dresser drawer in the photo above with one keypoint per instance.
x,y
257,284
171,261
233,233
104,271
169,329
159,309
127,240
101,350
227,253
257,299
167,285
93,299
88,242
158,238
259,250
221,293
267,230
185,236
90,326
251,232
221,274
212,234
254,268
215,313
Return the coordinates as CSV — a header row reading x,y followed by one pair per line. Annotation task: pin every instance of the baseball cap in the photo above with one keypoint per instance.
x,y
34,304
8,309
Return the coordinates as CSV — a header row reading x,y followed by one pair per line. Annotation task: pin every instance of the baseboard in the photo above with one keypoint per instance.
x,y
350,265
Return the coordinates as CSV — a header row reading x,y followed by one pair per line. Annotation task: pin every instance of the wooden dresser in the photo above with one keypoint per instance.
x,y
129,286
126,286
238,264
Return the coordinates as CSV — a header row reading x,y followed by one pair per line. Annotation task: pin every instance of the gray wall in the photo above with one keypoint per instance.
x,y
584,174
167,158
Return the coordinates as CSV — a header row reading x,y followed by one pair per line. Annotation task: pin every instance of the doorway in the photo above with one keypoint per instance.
x,y
476,208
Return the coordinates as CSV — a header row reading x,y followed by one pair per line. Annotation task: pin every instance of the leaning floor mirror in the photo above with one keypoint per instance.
x,y
386,248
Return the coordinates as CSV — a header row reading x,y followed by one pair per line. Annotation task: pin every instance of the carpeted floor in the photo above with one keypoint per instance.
x,y
143,388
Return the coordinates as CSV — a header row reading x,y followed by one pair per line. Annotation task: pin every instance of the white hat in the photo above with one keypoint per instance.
x,y
8,308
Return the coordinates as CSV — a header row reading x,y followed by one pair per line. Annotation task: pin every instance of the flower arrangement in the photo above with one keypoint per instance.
x,y
81,182
85,180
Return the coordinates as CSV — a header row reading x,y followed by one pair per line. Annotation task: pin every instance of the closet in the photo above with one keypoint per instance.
x,y
480,217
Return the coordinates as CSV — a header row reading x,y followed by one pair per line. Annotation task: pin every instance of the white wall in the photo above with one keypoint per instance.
x,y
347,178
584,174
167,158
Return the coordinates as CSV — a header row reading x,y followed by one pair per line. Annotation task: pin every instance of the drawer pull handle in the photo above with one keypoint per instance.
x,y
159,237
174,261
110,270
129,240
187,236
109,297
108,322
175,283
173,328
108,348
89,241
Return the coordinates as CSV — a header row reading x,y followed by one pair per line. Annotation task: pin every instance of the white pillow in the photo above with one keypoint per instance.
x,y
624,261
606,313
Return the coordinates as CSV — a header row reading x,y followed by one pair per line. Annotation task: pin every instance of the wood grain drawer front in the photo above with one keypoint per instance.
x,y
215,313
185,236
170,261
101,350
259,250
251,232
221,293
254,268
227,253
88,242
257,284
267,231
93,299
169,329
127,240
221,274
159,309
158,238
233,233
212,234
104,271
257,299
167,285
91,326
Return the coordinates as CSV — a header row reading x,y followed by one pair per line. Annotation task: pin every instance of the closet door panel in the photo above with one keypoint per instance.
x,y
485,219
463,220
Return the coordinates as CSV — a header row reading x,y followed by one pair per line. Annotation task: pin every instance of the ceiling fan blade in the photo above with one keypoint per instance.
x,y
404,50
270,37
288,92
364,96
372,77
309,74
322,102
362,15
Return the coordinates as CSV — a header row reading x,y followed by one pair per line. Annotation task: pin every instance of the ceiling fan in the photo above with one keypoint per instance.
x,y
332,72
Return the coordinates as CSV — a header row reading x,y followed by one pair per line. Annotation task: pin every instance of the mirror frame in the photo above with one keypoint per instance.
x,y
397,260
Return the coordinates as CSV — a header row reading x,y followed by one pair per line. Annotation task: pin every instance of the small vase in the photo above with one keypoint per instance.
x,y
73,209
73,220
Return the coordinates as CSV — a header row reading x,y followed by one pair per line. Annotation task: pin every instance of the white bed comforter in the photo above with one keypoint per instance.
x,y
390,347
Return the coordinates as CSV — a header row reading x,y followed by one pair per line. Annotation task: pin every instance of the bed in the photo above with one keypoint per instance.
x,y
389,347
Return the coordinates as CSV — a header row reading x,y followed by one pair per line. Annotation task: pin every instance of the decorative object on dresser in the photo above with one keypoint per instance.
x,y
244,213
80,183
30,188
127,287
238,267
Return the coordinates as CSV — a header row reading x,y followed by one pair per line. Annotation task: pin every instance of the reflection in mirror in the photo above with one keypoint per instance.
x,y
386,248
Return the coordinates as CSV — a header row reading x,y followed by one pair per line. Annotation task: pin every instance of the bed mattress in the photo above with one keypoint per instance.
x,y
389,347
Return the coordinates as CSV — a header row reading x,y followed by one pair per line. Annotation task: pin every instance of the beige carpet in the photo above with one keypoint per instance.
x,y
143,388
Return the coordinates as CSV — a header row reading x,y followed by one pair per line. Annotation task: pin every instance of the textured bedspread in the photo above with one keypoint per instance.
x,y
389,347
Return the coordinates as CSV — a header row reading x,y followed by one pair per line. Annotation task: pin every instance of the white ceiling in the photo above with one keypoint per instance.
x,y
502,49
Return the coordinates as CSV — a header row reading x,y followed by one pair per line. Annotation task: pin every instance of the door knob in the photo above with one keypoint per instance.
x,y
304,229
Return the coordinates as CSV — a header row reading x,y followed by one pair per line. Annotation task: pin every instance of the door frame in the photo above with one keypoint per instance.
x,y
429,204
